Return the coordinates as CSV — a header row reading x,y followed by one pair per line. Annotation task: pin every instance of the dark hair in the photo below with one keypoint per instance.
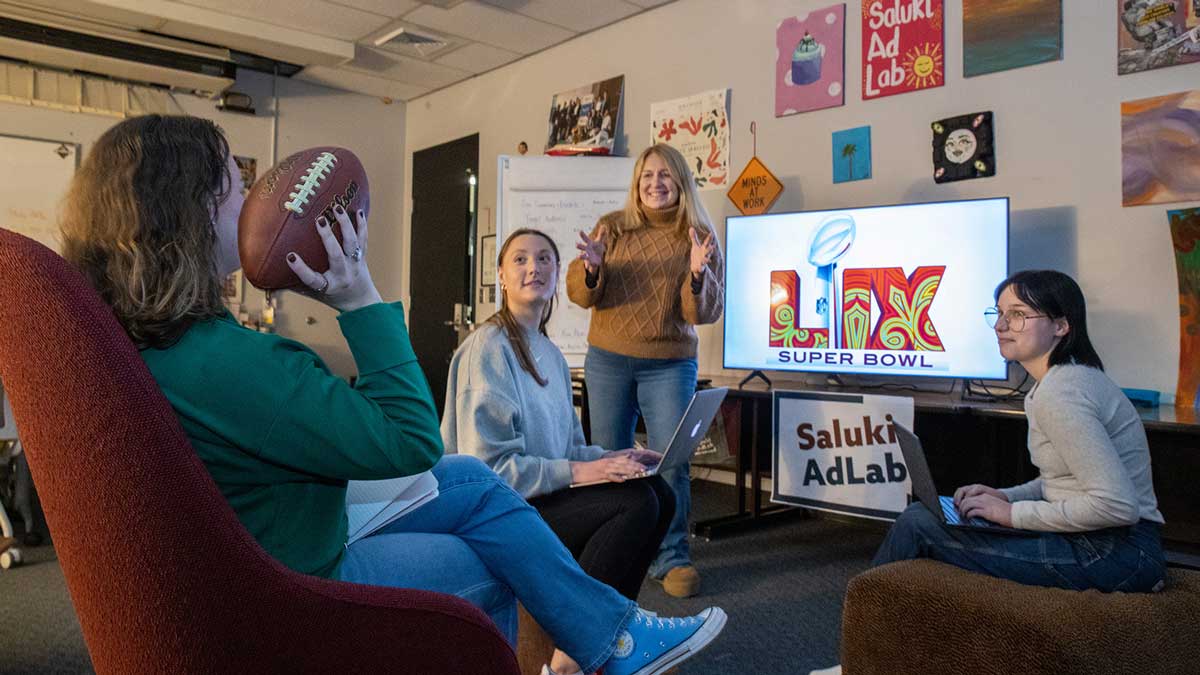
x,y
1057,296
138,222
508,323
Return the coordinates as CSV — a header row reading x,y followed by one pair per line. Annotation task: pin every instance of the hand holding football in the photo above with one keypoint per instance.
x,y
281,211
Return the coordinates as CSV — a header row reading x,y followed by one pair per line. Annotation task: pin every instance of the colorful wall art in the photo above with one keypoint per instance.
x,y
810,70
1185,233
1006,34
964,147
903,46
1159,137
698,127
851,154
1156,34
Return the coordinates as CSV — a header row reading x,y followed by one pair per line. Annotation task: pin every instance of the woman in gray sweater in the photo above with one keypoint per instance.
x,y
508,402
1092,512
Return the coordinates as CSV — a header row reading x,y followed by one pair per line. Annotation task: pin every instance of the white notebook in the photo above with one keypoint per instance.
x,y
371,504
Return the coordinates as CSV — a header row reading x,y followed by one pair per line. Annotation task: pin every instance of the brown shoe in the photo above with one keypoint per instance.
x,y
682,581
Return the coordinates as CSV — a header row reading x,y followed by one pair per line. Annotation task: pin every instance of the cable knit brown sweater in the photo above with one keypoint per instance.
x,y
643,304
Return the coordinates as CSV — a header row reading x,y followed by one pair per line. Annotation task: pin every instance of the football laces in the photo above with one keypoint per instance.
x,y
304,190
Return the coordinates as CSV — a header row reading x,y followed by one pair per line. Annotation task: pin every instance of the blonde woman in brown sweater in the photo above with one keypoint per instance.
x,y
650,273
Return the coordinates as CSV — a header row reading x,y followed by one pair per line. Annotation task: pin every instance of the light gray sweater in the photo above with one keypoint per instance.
x,y
496,411
1090,449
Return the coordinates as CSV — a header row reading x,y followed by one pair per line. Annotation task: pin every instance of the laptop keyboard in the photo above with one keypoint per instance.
x,y
952,517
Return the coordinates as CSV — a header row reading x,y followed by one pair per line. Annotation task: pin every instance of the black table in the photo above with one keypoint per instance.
x,y
968,441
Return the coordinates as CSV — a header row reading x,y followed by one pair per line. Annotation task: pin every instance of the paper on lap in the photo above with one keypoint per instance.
x,y
372,504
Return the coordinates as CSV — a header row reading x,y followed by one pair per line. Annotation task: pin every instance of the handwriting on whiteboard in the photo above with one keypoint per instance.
x,y
562,214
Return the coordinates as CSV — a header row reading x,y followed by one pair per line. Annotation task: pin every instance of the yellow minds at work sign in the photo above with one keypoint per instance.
x,y
755,190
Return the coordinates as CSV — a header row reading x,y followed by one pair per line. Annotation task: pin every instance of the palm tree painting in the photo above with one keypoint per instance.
x,y
851,154
848,152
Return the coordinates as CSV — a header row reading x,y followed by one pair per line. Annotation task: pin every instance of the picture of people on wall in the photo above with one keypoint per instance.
x,y
585,120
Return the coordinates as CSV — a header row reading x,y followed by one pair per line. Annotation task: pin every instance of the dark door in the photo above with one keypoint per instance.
x,y
442,234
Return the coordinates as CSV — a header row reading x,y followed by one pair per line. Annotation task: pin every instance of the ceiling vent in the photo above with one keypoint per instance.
x,y
91,48
412,41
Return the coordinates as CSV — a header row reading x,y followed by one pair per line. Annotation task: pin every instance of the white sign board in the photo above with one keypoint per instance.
x,y
837,452
34,177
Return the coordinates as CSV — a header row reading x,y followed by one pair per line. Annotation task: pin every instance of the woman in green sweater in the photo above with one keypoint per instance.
x,y
151,220
650,273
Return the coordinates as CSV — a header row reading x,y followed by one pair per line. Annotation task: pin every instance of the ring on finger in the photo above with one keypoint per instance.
x,y
356,254
324,287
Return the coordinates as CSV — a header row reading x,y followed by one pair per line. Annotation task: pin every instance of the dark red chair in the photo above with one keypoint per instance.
x,y
163,576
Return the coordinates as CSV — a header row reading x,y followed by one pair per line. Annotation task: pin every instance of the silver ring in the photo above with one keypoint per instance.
x,y
321,290
356,254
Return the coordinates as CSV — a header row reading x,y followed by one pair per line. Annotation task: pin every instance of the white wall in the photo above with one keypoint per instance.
x,y
1057,127
308,115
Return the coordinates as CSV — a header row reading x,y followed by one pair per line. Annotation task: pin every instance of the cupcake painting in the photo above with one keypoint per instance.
x,y
810,61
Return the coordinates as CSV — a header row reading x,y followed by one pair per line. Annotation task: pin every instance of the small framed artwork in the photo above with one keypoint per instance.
x,y
487,260
232,289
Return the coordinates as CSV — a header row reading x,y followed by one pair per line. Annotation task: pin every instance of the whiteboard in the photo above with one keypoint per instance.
x,y
34,176
561,196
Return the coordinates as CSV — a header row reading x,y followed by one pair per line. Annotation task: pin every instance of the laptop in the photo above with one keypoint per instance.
x,y
927,493
691,429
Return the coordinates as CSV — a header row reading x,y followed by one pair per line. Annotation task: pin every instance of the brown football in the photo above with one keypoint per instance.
x,y
281,211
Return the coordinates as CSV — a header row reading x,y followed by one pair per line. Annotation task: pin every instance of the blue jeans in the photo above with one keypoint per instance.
x,y
481,541
1113,559
620,388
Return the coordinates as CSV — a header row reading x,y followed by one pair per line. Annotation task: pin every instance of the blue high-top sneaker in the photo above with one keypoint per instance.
x,y
650,644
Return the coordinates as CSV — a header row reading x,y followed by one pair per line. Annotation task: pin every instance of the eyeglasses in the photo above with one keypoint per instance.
x,y
1013,318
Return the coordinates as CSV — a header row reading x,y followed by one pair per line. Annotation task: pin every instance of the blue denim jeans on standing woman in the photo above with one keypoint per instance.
x,y
1113,559
481,541
620,388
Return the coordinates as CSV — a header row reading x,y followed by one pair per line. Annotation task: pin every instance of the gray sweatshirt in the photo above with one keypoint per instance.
x,y
496,411
1090,449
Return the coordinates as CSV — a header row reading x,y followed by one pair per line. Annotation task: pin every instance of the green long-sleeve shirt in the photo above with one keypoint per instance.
x,y
281,435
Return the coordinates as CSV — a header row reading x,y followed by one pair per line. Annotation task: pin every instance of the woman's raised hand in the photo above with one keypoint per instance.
x,y
702,252
591,249
347,285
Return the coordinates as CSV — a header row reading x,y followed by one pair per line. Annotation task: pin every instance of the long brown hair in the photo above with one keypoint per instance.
x,y
691,210
504,318
139,218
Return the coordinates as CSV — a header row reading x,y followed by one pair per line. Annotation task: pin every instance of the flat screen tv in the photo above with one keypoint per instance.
x,y
882,290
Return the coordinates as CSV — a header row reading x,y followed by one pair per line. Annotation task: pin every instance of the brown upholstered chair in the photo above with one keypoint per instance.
x,y
163,577
534,646
927,617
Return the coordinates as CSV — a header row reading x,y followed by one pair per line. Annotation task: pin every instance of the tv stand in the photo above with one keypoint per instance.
x,y
753,374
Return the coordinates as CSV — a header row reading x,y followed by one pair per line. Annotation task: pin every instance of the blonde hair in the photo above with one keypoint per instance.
x,y
138,221
691,210
505,320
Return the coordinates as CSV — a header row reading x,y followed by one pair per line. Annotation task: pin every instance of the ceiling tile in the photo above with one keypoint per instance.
x,y
490,25
576,15
404,69
362,83
477,57
390,8
312,16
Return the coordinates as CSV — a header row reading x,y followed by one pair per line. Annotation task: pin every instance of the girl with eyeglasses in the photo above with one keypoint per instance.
x,y
1091,512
